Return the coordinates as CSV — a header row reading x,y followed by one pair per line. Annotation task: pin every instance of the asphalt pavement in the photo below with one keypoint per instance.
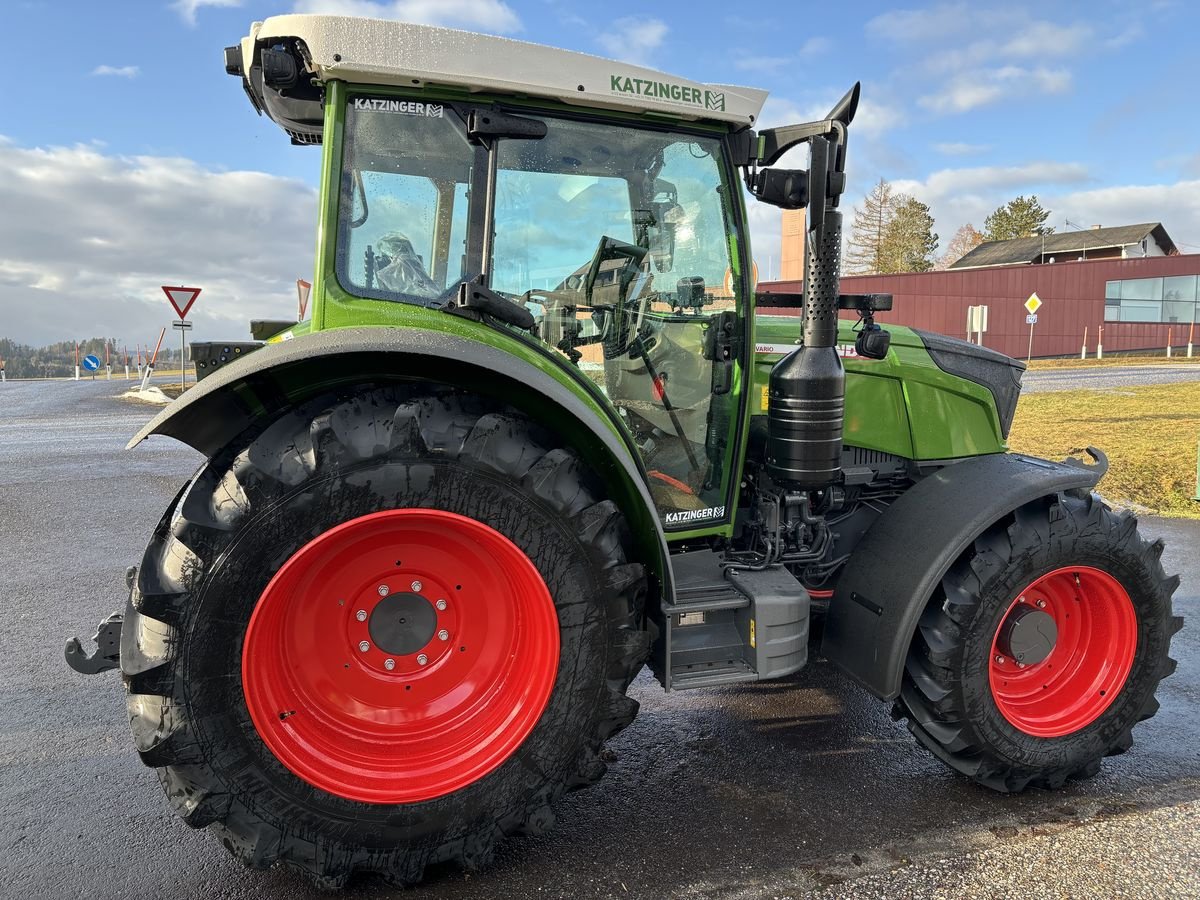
x,y
783,789
1103,378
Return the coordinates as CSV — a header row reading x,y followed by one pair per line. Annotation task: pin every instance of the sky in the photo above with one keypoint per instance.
x,y
132,160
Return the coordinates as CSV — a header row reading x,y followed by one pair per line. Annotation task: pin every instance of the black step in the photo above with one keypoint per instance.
x,y
701,585
731,672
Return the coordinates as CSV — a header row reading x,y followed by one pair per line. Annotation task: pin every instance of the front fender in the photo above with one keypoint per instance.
x,y
260,386
900,561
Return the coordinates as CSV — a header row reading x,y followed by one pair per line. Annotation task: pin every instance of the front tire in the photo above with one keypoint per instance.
x,y
1043,646
388,630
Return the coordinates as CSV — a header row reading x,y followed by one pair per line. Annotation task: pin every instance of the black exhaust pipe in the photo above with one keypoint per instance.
x,y
807,394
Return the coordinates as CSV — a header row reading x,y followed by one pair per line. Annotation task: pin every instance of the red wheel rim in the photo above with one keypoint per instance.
x,y
338,704
1088,664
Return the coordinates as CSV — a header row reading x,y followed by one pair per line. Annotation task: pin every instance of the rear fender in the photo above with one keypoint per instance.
x,y
262,385
901,560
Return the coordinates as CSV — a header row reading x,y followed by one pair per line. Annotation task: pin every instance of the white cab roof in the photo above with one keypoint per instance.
x,y
371,51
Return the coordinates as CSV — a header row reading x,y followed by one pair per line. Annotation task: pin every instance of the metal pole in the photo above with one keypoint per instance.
x,y
1029,355
182,357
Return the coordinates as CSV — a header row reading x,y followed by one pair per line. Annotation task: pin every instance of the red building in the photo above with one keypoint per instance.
x,y
1138,301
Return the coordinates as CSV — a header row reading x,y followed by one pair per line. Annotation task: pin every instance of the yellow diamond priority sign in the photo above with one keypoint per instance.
x,y
1034,303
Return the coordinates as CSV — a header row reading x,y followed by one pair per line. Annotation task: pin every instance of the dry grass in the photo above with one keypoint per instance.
x,y
1149,433
1091,362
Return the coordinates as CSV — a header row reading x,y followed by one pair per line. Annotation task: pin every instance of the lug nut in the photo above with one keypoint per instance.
x,y
441,604
422,659
361,615
389,664
999,659
1021,599
1041,604
383,590
443,635
416,586
364,646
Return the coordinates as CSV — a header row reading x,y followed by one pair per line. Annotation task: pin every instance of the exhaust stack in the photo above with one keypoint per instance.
x,y
806,401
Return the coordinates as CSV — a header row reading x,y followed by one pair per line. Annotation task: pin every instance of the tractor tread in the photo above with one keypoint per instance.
x,y
933,699
423,423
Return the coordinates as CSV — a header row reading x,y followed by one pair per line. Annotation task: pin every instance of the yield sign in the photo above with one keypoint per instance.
x,y
181,298
1034,303
302,289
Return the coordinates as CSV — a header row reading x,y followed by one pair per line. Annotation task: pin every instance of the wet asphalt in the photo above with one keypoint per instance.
x,y
782,789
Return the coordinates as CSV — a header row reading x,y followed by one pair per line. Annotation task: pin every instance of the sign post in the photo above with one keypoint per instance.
x,y
182,299
1033,304
149,370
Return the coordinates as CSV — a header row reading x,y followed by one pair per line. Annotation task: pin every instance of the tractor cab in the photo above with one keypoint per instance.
x,y
597,213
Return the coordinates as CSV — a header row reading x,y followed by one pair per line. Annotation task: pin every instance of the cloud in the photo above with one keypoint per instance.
x,y
1172,204
969,90
754,62
488,15
632,38
981,56
98,234
187,9
119,71
960,148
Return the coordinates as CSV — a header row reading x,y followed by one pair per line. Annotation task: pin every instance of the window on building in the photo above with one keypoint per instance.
x,y
1168,300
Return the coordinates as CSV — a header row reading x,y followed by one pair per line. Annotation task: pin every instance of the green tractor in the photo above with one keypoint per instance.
x,y
540,431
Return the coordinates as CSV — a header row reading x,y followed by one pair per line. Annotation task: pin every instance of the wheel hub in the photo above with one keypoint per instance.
x,y
1028,635
402,624
1063,651
400,656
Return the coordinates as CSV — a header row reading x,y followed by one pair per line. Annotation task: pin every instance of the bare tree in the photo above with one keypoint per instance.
x,y
865,246
966,239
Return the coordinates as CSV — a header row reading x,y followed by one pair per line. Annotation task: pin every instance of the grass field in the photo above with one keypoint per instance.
x,y
1149,433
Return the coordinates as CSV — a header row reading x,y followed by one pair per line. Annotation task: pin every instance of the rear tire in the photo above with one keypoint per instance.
x,y
969,703
251,509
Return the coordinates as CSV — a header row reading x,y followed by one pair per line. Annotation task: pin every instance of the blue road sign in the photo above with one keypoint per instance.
x,y
91,363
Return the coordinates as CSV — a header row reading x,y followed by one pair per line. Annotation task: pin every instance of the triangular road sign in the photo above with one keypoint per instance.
x,y
181,298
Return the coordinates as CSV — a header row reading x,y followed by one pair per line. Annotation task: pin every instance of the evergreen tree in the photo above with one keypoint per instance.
x,y
1018,218
865,245
908,241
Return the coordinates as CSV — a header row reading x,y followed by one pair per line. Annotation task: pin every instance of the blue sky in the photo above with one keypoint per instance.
x,y
123,124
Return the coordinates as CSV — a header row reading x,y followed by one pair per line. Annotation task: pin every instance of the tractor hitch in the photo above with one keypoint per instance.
x,y
107,638
108,648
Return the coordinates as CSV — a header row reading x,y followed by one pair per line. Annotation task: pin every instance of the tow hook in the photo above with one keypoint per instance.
x,y
108,642
108,648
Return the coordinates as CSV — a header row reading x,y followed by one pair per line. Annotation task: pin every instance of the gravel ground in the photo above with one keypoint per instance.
x,y
1153,855
793,788
1107,378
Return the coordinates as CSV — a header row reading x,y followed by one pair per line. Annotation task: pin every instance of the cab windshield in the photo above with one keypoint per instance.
x,y
615,238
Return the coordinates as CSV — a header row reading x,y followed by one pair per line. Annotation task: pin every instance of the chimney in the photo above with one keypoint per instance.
x,y
791,261
1095,228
